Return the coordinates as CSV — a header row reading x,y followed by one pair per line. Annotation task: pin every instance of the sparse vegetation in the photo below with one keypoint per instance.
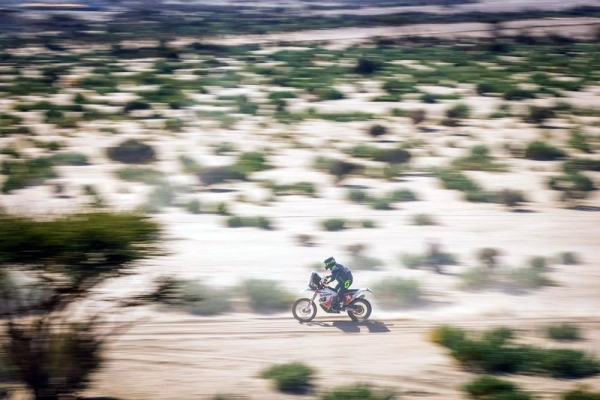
x,y
255,222
422,219
358,392
490,387
334,224
266,296
290,378
140,174
132,151
563,332
395,293
542,151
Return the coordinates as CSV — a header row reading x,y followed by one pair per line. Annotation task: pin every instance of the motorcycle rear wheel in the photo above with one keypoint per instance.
x,y
359,310
304,310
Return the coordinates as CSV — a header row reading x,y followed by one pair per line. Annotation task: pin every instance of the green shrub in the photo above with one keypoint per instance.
x,y
132,151
23,173
458,111
174,125
334,224
581,394
488,256
478,159
381,203
394,293
266,296
579,141
477,278
538,115
422,219
328,93
214,175
358,392
511,198
161,196
567,363
572,182
136,105
539,263
491,388
455,180
256,222
340,169
363,151
568,258
290,378
412,260
193,206
365,66
448,336
393,156
200,299
402,195
68,158
542,151
252,162
223,148
140,174
563,331
428,98
526,278
516,94
377,130
368,224
481,196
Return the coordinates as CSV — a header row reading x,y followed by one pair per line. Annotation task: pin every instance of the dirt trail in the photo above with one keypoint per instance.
x,y
198,358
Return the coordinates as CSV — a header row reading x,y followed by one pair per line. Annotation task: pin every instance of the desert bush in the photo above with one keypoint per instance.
x,y
393,156
214,175
488,256
493,352
511,198
581,394
538,115
572,182
256,222
340,169
23,173
363,151
428,98
224,148
365,66
458,111
516,94
368,224
358,392
381,203
329,93
266,296
161,196
394,293
140,174
136,105
490,387
68,158
334,224
174,125
200,299
412,260
252,162
402,195
193,206
538,262
447,336
477,278
418,116
290,378
299,188
568,258
579,141
377,130
456,180
478,159
422,219
563,331
526,278
132,151
358,196
541,151
481,196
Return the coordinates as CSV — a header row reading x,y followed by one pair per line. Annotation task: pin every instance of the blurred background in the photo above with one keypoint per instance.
x,y
172,171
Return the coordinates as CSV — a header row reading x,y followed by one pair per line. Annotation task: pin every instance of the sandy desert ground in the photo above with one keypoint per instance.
x,y
173,355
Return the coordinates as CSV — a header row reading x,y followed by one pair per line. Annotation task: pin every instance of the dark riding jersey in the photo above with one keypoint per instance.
x,y
340,273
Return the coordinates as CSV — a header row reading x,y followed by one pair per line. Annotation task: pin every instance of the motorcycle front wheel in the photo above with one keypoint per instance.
x,y
304,310
359,310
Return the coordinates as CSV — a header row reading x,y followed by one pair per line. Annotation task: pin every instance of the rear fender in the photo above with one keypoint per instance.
x,y
362,293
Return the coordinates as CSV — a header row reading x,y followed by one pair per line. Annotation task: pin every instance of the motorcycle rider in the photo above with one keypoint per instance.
x,y
343,276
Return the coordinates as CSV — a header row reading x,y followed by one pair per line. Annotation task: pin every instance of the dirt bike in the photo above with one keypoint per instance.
x,y
305,309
